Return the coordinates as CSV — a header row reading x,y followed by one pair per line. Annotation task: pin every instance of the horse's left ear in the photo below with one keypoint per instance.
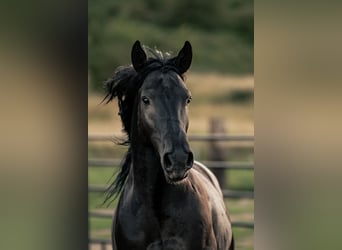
x,y
184,58
138,56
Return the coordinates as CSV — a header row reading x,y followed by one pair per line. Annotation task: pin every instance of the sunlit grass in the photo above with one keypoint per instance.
x,y
100,227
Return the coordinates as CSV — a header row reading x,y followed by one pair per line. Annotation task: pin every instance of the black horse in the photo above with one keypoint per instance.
x,y
167,200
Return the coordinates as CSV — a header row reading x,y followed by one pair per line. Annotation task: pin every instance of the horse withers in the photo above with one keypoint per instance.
x,y
167,200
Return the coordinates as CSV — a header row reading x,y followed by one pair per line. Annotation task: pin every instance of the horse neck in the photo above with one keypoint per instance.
x,y
146,173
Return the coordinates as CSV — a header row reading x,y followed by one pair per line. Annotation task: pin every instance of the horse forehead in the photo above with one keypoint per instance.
x,y
169,82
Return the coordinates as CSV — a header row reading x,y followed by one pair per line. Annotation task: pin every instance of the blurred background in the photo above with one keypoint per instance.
x,y
220,79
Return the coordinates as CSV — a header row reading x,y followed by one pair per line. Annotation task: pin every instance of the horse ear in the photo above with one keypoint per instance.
x,y
138,56
184,58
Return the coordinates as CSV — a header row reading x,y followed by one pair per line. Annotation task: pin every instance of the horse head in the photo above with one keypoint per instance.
x,y
162,105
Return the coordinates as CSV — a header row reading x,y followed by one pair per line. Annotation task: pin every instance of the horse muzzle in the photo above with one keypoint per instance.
x,y
176,165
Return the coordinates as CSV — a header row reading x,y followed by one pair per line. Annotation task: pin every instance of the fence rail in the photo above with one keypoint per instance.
x,y
234,194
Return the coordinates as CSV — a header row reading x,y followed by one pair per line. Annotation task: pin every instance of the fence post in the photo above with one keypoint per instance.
x,y
216,152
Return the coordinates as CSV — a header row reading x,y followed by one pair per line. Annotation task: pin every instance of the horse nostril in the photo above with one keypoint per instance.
x,y
190,160
167,161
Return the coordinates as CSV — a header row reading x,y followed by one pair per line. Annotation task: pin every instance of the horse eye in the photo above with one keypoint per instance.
x,y
188,100
145,100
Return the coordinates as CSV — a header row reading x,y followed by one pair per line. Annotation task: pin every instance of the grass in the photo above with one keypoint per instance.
x,y
240,179
100,228
98,175
243,238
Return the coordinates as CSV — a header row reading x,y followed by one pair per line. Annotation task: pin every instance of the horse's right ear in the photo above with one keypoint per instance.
x,y
138,56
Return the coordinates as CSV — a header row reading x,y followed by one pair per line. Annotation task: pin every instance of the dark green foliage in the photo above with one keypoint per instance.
x,y
242,96
221,32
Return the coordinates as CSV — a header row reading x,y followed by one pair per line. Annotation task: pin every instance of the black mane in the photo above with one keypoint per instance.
x,y
125,85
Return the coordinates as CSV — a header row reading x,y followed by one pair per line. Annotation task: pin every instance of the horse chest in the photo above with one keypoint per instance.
x,y
184,228
135,225
178,225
